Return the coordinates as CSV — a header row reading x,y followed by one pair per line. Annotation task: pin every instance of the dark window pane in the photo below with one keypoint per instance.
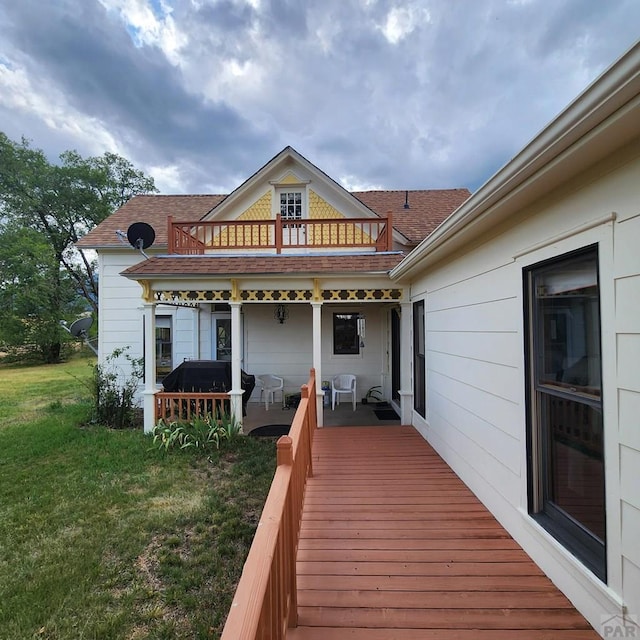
x,y
164,359
345,334
569,327
575,460
223,339
419,362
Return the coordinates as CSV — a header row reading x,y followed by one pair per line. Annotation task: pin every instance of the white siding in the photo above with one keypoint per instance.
x,y
280,349
120,312
627,304
476,414
286,349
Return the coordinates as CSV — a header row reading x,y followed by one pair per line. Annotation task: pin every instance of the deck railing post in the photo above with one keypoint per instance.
x,y
278,232
284,448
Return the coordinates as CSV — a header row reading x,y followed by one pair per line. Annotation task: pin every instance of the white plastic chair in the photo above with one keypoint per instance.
x,y
269,384
343,384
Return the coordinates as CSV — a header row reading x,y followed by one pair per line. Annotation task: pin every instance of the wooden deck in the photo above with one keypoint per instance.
x,y
393,545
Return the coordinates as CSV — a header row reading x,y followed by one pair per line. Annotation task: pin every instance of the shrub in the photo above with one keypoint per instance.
x,y
113,393
203,433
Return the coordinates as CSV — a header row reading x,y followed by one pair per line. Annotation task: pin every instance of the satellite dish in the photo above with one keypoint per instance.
x,y
79,328
141,235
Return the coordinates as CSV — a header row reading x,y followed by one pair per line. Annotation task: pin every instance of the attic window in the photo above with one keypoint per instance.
x,y
291,205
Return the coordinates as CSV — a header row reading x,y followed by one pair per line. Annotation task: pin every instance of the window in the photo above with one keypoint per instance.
x,y
346,340
222,337
565,430
164,347
291,205
419,365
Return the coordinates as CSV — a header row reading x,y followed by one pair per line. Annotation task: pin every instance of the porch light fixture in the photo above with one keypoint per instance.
x,y
281,313
361,324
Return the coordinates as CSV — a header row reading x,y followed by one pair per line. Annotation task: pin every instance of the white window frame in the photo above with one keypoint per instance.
x,y
298,215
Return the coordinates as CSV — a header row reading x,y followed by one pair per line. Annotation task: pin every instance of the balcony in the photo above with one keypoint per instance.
x,y
205,236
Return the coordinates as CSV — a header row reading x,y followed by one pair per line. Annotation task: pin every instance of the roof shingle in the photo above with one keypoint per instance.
x,y
152,209
427,209
170,266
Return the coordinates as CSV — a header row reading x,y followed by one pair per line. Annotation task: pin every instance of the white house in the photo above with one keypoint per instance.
x,y
288,272
509,336
526,306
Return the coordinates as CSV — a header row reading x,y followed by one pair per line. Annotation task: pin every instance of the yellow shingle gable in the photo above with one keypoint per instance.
x,y
259,210
319,208
257,237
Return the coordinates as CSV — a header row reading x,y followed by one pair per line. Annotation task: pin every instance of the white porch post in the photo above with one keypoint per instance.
x,y
406,363
236,362
149,393
317,359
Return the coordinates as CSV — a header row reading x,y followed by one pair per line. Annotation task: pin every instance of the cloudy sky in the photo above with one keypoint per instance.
x,y
396,94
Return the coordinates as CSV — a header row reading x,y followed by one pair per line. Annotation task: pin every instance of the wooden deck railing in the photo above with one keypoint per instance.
x,y
177,406
209,235
265,602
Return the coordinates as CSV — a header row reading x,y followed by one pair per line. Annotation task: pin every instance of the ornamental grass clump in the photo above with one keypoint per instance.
x,y
203,433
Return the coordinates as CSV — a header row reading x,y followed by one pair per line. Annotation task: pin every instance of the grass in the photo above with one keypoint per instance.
x,y
102,537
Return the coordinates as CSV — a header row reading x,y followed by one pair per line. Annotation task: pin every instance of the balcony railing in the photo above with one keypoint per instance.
x,y
265,602
213,235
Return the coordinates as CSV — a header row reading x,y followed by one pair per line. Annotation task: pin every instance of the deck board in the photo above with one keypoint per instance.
x,y
394,545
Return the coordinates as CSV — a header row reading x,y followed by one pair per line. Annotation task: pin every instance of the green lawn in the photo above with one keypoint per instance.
x,y
103,537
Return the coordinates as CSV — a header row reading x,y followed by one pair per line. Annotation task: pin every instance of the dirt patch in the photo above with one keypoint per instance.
x,y
147,564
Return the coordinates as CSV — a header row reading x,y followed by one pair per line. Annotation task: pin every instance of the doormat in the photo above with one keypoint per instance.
x,y
270,430
386,414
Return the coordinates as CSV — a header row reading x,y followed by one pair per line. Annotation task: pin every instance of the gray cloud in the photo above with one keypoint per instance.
x,y
392,94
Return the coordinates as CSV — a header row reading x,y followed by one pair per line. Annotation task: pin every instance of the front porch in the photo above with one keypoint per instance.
x,y
343,415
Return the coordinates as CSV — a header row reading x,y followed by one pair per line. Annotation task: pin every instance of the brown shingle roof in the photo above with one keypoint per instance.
x,y
152,209
427,209
278,264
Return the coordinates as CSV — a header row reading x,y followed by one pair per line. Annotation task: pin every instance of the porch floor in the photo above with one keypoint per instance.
x,y
394,546
343,415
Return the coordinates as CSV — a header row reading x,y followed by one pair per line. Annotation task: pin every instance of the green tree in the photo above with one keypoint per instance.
x,y
63,201
35,294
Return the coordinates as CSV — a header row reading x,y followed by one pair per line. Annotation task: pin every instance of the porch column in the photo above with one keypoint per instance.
x,y
317,359
236,362
149,393
406,363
